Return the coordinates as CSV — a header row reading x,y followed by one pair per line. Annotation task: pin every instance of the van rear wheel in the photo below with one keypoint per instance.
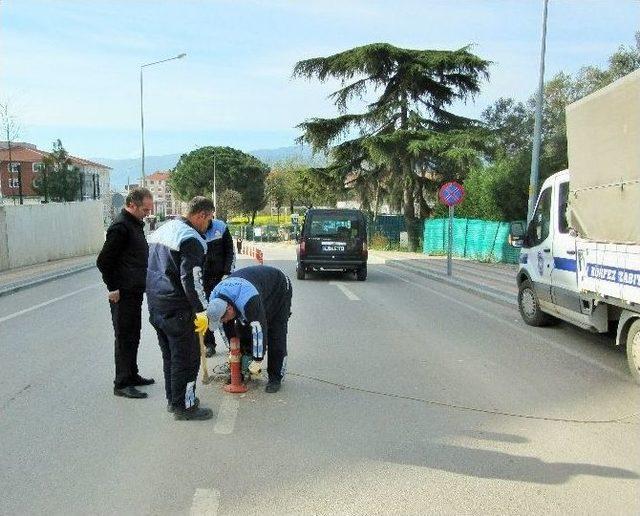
x,y
361,273
529,306
300,273
633,349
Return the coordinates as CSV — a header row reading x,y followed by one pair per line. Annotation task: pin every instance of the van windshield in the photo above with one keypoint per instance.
x,y
335,225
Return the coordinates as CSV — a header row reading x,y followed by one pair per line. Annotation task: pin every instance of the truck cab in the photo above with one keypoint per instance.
x,y
547,276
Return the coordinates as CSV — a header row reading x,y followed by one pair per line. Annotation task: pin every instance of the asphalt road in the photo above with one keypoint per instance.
x,y
404,396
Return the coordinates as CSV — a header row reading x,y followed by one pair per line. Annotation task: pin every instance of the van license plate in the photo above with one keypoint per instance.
x,y
331,248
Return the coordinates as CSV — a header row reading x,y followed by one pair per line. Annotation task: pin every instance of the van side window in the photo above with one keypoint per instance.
x,y
563,193
538,229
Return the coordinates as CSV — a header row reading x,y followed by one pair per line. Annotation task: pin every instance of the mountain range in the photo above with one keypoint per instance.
x,y
125,171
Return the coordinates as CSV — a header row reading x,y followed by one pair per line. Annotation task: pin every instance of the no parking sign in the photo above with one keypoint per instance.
x,y
451,194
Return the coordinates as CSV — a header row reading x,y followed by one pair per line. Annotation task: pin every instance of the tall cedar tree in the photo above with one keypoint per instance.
x,y
407,129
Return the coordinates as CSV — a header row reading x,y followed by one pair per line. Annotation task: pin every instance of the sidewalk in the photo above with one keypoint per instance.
x,y
493,281
23,277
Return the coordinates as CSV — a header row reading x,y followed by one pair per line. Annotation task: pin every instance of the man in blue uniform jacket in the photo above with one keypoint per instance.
x,y
259,299
218,263
176,300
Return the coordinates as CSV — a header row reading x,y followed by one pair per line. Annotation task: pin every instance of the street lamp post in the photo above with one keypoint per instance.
x,y
215,196
537,131
180,56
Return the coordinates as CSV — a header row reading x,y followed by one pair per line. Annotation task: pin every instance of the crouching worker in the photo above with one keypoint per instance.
x,y
177,301
259,299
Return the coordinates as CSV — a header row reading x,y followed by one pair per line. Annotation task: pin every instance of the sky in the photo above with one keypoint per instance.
x,y
71,69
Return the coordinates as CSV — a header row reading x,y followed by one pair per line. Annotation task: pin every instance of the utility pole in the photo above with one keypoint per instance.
x,y
19,167
215,195
537,131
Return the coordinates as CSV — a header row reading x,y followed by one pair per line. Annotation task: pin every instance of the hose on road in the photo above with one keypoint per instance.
x,y
342,386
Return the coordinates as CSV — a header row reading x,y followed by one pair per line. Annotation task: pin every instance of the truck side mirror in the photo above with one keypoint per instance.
x,y
516,233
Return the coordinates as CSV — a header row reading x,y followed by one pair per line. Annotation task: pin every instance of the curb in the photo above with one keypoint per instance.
x,y
20,285
478,289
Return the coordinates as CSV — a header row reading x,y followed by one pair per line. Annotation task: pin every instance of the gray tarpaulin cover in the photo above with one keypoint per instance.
x,y
603,136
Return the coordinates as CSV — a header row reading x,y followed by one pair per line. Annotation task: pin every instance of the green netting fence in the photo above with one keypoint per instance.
x,y
483,240
388,225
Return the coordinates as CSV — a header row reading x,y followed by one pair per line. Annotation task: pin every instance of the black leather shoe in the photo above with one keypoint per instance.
x,y
192,414
210,352
171,409
139,381
273,386
129,392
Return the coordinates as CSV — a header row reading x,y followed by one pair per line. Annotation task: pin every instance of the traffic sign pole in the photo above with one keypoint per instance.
x,y
450,247
450,194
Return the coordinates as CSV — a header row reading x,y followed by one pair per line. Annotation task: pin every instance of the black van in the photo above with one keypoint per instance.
x,y
333,240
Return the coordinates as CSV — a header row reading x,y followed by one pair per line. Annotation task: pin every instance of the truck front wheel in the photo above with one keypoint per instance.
x,y
529,306
633,349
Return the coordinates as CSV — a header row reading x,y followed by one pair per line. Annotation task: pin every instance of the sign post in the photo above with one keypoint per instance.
x,y
451,194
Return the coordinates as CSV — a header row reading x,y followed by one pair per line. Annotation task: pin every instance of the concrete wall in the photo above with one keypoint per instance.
x,y
31,234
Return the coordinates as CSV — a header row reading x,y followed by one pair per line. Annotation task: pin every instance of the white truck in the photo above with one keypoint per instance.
x,y
580,257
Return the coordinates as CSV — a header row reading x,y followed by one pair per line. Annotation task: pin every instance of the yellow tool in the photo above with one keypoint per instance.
x,y
203,360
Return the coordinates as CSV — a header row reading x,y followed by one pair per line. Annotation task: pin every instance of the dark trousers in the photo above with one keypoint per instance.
x,y
277,327
180,355
126,316
209,285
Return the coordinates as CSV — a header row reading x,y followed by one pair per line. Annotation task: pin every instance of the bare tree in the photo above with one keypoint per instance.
x,y
11,129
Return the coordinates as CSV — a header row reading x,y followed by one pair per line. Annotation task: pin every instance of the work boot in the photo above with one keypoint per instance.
x,y
171,409
273,386
139,381
129,392
210,351
192,414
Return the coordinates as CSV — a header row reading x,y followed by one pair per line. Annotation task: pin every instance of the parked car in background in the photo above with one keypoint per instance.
x,y
333,240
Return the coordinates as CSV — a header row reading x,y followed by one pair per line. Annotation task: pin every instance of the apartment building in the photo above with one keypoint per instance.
x,y
164,202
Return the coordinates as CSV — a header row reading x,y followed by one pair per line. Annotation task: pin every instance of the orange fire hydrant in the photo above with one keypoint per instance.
x,y
235,359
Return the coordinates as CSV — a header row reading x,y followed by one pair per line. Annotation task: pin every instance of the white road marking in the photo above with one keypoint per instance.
x,y
345,291
205,502
547,341
40,305
226,419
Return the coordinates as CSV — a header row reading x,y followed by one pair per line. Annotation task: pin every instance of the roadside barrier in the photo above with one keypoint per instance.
x,y
252,251
235,357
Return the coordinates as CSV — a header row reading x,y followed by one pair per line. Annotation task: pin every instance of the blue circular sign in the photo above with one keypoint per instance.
x,y
451,193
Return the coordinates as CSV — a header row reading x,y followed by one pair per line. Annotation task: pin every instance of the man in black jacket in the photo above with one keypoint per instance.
x,y
259,299
176,301
217,264
123,264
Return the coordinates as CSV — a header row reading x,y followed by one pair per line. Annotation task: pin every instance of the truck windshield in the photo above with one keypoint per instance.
x,y
538,229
